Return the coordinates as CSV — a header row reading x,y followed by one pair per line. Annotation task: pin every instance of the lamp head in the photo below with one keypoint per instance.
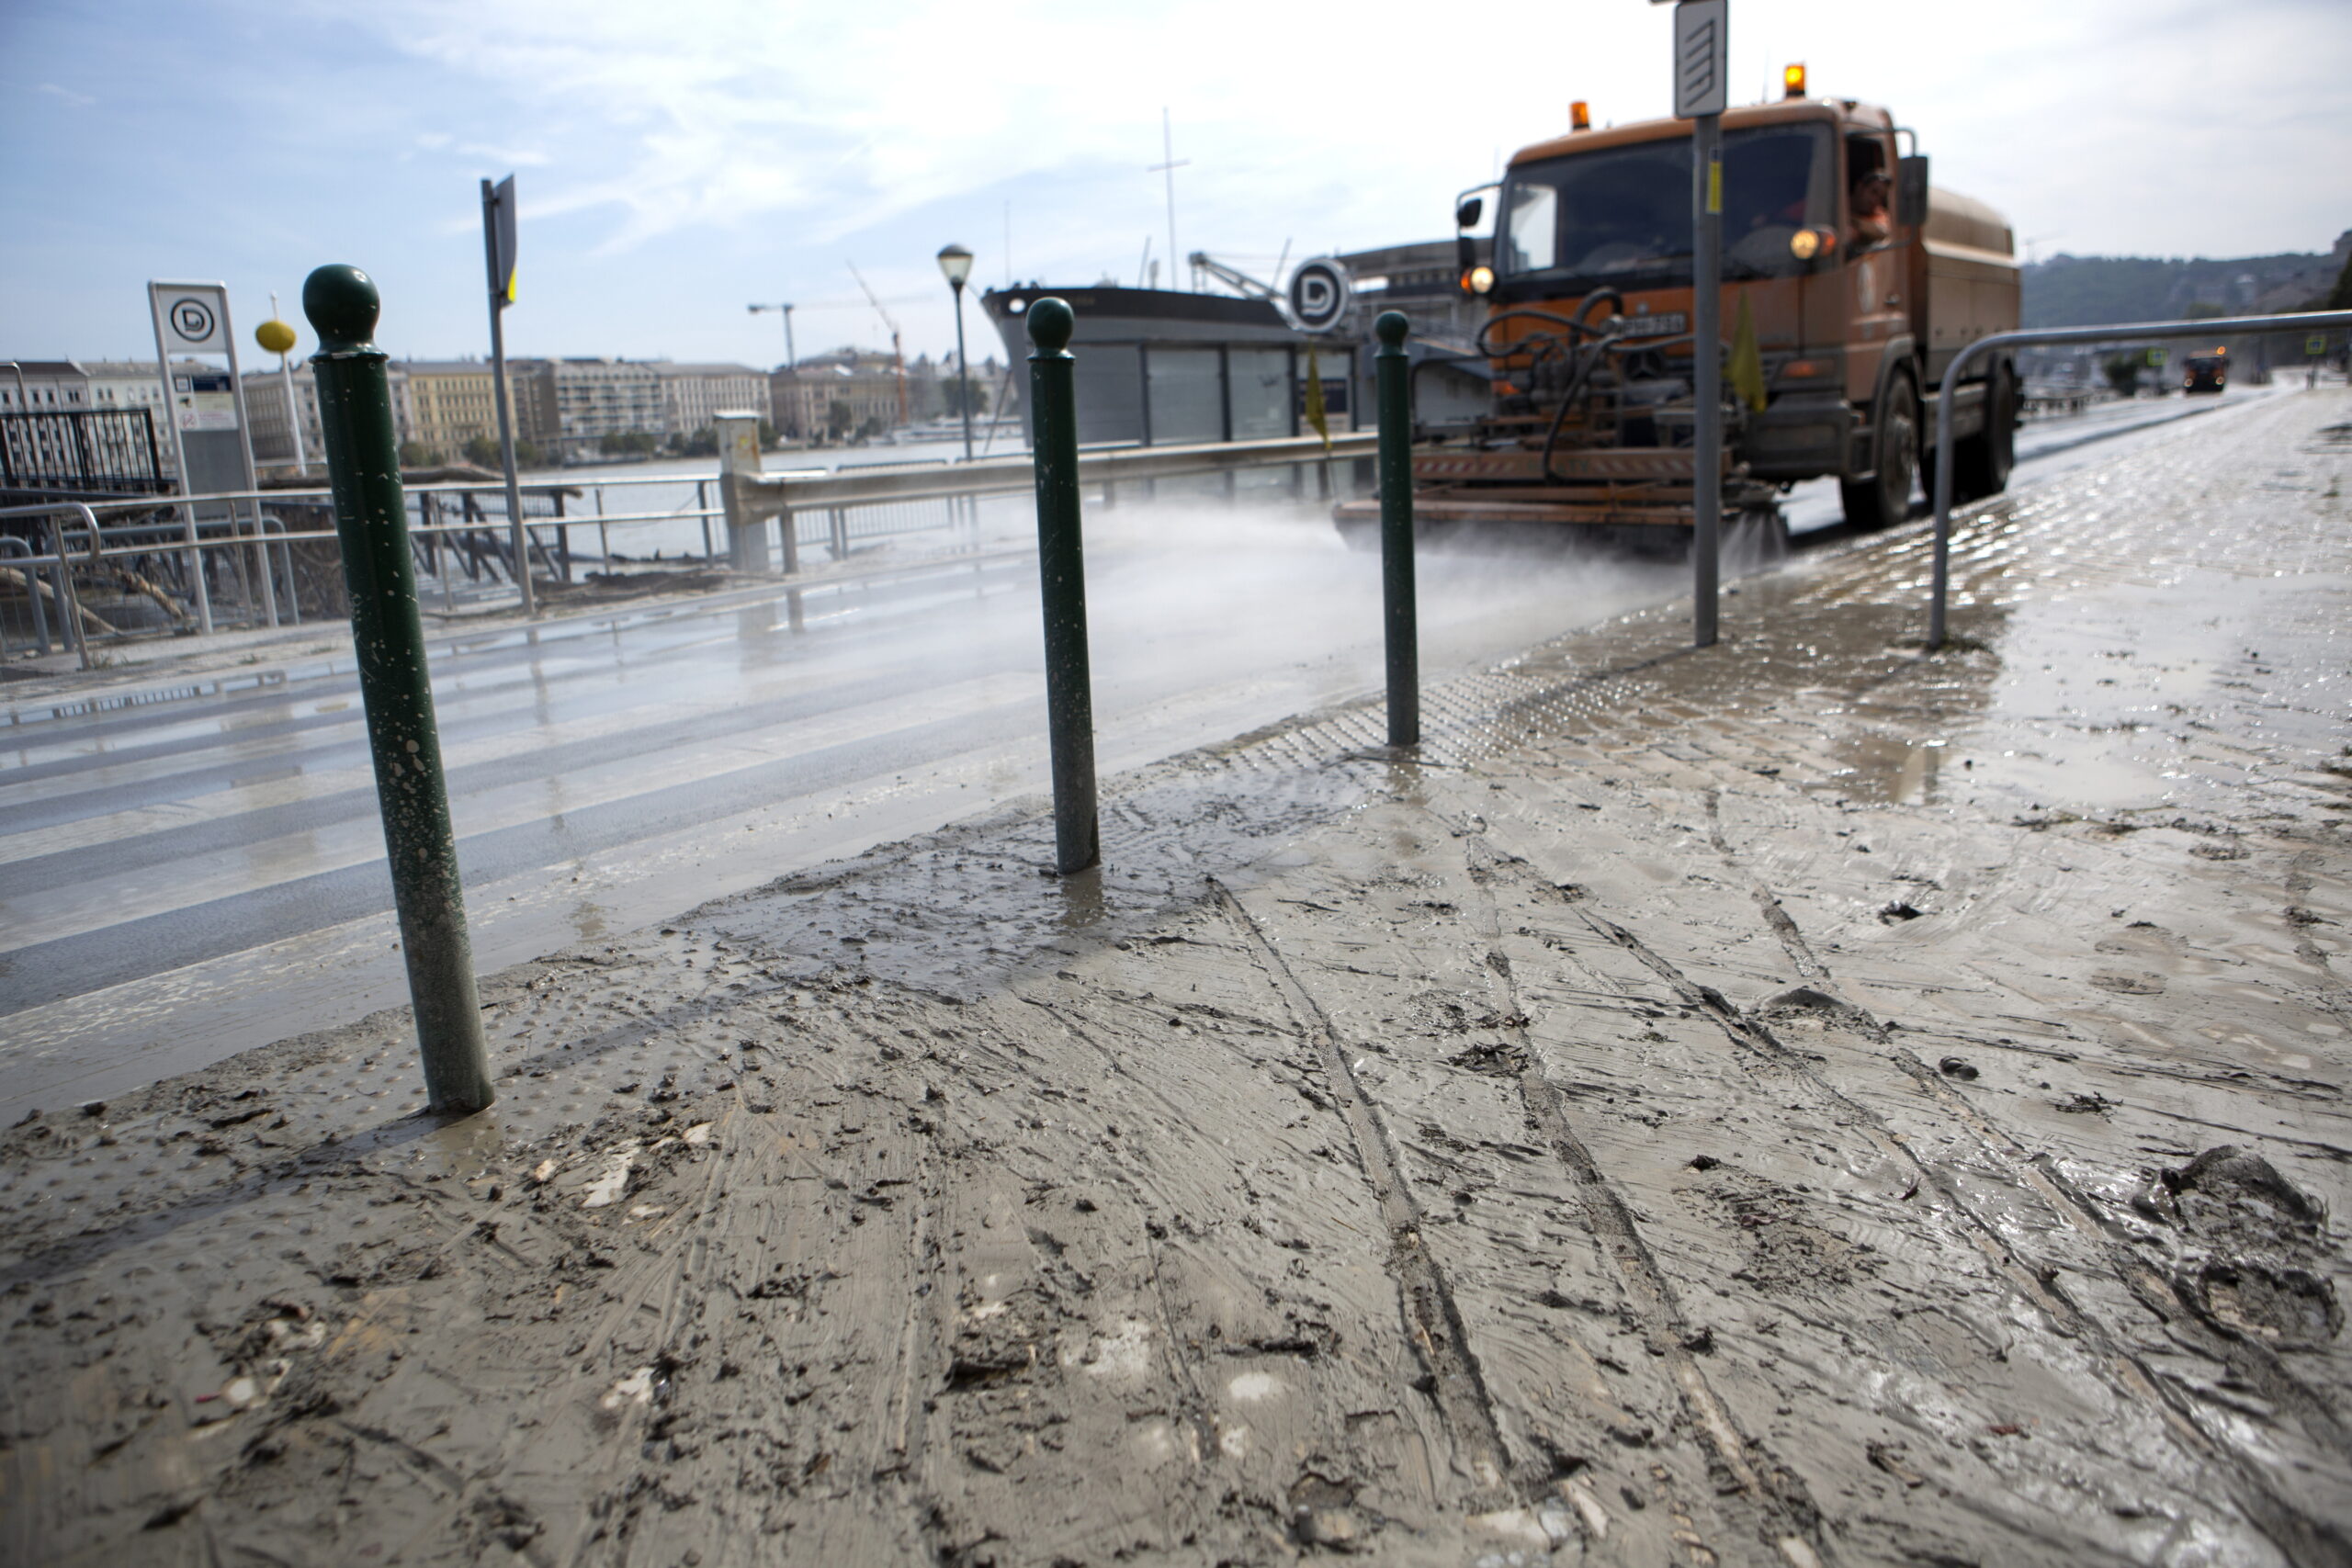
x,y
956,265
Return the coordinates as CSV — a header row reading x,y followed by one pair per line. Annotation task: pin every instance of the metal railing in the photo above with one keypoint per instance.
x,y
794,498
58,453
61,586
161,564
2129,332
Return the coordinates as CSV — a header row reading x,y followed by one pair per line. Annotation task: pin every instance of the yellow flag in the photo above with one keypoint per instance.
x,y
1746,362
1315,414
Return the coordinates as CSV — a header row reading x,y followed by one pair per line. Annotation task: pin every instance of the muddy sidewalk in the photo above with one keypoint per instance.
x,y
1804,1103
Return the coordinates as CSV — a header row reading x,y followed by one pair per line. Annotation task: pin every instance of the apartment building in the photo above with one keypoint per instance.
x,y
850,389
576,403
693,395
453,402
272,434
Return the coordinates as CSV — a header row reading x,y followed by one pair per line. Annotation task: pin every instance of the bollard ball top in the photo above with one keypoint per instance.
x,y
1051,321
343,304
1391,328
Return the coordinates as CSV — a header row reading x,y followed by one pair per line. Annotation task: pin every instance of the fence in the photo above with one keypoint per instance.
x,y
55,453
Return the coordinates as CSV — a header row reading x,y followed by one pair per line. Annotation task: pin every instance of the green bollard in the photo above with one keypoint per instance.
x,y
363,467
1399,617
1062,570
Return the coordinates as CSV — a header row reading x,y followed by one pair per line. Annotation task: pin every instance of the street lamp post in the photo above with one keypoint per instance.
x,y
956,262
791,359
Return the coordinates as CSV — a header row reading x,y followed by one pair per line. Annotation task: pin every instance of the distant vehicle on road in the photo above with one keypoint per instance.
x,y
1848,286
2206,372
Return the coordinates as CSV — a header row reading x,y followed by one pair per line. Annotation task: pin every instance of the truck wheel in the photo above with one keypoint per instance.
x,y
1981,465
1885,496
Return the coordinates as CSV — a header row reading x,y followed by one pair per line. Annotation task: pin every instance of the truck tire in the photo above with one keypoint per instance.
x,y
1981,465
1885,496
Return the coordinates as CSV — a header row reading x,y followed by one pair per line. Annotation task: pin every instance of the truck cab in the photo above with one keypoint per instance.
x,y
1848,284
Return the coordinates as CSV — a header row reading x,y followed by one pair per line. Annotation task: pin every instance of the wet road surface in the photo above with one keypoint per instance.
x,y
185,880
1790,1104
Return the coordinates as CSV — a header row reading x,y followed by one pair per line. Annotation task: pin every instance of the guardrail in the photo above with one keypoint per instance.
x,y
752,500
2129,332
69,609
269,557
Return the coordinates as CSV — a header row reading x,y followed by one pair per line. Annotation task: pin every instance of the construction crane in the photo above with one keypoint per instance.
x,y
897,356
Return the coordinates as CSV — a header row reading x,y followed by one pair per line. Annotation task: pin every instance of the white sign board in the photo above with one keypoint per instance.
x,y
191,318
1319,294
207,402
1701,55
204,401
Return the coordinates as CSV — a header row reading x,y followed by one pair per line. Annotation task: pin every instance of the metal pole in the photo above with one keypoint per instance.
x,y
1393,371
498,386
387,636
1707,368
293,413
1062,571
69,604
963,370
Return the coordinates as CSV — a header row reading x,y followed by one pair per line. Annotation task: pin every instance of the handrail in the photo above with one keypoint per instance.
x,y
69,607
766,493
2128,331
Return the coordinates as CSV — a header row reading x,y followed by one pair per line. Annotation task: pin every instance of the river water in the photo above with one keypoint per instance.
x,y
668,487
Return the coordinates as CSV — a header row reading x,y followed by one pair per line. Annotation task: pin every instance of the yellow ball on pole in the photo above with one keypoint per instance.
x,y
275,336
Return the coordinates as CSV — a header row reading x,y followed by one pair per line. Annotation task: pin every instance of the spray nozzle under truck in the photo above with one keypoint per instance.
x,y
1848,284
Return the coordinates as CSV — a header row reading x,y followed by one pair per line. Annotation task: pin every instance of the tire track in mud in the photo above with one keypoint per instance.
x,y
1792,1519
1434,1322
1784,925
2308,1539
2336,994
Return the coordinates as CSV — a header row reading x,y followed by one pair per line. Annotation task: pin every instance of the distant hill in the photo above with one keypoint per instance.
x,y
2089,291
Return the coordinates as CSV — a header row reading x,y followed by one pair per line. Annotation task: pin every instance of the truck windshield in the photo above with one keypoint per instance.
x,y
1622,215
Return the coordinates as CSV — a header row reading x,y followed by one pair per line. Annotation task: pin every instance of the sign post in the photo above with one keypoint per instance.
x,y
206,407
1700,56
498,248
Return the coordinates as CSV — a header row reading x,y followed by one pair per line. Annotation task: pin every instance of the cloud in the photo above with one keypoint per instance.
x,y
725,113
72,98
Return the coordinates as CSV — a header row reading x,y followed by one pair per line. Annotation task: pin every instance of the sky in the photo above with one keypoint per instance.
x,y
677,161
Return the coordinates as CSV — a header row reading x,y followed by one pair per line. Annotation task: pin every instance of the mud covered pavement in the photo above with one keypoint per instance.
x,y
1804,1103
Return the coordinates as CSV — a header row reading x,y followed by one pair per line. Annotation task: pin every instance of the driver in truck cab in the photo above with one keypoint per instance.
x,y
1866,202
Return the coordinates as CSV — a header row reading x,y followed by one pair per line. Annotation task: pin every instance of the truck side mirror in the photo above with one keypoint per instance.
x,y
1465,253
1466,215
1911,190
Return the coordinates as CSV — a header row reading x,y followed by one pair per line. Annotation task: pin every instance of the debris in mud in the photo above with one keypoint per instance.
x,y
1801,998
1323,1513
1495,1058
2129,985
2290,1308
1897,911
1890,1458
2227,1192
1955,1068
2092,1104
